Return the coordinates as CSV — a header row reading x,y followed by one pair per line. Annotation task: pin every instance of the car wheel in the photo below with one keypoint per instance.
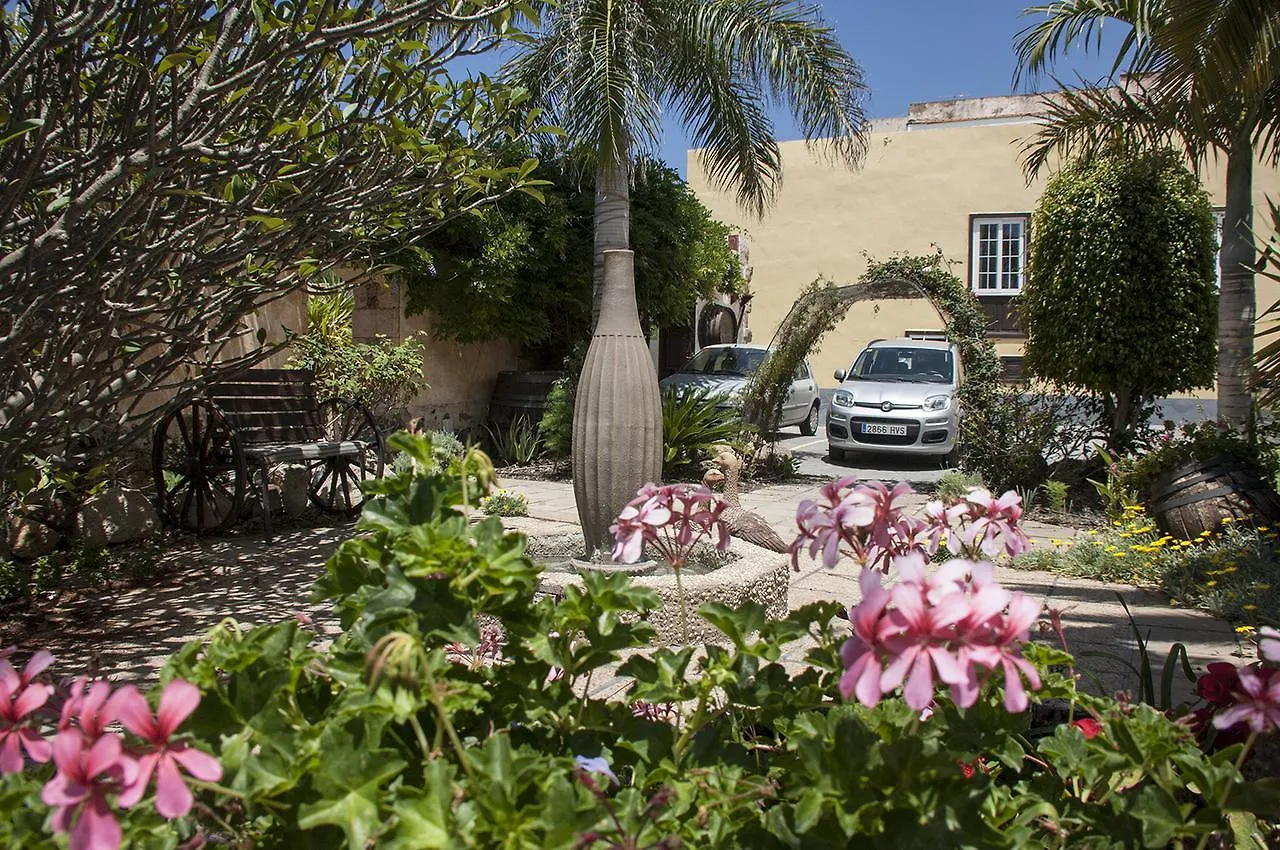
x,y
809,426
836,454
951,459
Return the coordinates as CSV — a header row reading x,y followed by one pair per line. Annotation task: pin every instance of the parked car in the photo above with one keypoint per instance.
x,y
724,370
899,396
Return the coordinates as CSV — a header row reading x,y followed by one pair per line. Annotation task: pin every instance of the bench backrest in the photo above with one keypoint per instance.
x,y
271,405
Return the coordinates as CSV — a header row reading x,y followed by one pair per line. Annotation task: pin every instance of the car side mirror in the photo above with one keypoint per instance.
x,y
839,374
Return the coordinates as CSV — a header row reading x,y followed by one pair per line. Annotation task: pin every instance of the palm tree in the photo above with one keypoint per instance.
x,y
1204,75
605,70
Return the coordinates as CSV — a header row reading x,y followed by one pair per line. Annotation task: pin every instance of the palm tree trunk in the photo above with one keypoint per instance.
x,y
1236,300
612,222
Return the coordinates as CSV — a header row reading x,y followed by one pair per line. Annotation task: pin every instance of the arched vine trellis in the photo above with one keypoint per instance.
x,y
823,304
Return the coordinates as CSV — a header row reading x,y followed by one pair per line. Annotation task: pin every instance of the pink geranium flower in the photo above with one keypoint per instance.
x,y
1257,702
90,707
1002,649
1269,644
86,776
860,653
20,698
993,523
179,699
918,637
672,519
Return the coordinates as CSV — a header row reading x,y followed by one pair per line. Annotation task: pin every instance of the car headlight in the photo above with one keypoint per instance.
x,y
842,399
937,402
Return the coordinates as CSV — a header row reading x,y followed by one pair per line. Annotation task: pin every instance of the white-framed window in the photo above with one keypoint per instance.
x,y
998,256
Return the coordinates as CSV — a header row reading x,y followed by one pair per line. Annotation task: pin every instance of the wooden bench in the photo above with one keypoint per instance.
x,y
206,450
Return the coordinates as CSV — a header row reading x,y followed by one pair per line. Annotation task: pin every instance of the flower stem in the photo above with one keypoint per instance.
x,y
684,606
1222,799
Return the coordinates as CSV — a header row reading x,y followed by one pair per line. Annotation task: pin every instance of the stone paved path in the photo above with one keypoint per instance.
x,y
127,634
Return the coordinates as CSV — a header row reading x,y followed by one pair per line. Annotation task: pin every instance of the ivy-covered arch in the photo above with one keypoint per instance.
x,y
823,304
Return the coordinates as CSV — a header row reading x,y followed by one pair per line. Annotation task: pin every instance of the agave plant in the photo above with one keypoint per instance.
x,y
692,422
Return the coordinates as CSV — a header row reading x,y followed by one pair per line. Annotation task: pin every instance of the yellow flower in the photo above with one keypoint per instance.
x,y
1245,630
1211,584
1249,607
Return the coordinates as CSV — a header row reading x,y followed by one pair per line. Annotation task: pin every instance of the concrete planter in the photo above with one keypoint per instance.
x,y
757,575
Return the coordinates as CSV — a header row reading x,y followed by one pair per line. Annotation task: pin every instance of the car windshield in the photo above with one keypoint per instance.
x,y
725,361
912,365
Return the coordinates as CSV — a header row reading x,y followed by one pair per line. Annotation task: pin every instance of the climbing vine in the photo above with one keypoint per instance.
x,y
822,305
817,311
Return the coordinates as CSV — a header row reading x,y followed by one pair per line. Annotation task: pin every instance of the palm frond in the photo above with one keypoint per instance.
x,y
587,67
732,59
1070,22
1082,122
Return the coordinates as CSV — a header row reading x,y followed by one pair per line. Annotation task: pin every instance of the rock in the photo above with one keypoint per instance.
x,y
28,538
116,515
277,503
295,482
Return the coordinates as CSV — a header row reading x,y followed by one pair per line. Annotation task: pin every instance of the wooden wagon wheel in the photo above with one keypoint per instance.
x,y
199,468
336,482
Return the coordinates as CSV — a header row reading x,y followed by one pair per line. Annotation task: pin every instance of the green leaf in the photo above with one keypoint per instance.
x,y
808,810
173,60
355,813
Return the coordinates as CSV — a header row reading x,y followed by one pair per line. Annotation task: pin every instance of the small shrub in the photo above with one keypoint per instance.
x,y
1055,494
519,443
692,423
954,484
1233,574
556,425
384,375
505,503
445,447
80,567
1023,436
763,461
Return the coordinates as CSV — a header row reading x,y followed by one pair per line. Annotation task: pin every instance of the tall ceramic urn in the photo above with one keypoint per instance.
x,y
617,418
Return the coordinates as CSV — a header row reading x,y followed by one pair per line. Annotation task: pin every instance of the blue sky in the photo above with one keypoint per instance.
x,y
918,50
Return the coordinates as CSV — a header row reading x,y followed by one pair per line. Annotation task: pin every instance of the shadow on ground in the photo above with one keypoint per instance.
x,y
127,633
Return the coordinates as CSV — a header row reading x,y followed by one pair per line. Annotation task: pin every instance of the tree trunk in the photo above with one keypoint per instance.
x,y
1236,301
612,222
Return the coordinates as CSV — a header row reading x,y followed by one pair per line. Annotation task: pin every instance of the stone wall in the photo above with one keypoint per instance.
x,y
460,377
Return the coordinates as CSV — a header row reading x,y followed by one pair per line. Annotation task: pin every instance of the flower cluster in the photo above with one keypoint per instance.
x,y
94,763
671,519
957,626
864,521
1240,700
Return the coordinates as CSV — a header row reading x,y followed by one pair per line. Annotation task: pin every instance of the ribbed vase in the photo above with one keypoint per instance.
x,y
617,418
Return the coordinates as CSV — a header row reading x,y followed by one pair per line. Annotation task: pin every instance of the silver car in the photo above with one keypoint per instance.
x,y
724,370
899,396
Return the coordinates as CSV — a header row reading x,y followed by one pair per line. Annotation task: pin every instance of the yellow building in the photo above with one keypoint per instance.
x,y
947,176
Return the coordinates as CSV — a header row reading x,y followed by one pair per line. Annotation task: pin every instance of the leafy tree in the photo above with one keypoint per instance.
x,y
1120,288
1208,84
604,71
521,269
173,166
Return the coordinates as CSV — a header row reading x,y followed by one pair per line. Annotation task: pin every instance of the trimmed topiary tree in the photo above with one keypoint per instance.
x,y
1120,297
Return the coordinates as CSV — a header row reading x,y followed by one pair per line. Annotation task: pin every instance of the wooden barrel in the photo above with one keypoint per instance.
x,y
519,395
1197,496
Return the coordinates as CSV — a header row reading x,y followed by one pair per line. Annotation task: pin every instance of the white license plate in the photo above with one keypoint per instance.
x,y
889,430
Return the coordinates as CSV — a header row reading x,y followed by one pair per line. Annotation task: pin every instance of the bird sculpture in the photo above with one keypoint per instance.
x,y
726,469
